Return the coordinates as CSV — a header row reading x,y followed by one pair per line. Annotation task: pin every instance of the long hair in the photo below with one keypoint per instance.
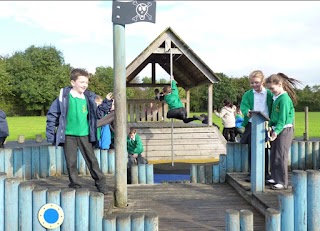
x,y
289,84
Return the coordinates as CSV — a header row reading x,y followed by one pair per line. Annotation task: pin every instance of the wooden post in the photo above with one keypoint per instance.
x,y
109,222
208,173
39,138
246,220
299,189
258,151
315,155
273,222
313,198
81,208
222,167
232,220
142,174
286,207
301,155
111,161
134,174
35,162
104,161
149,173
294,155
26,159
137,221
123,222
68,205
193,173
3,177
11,204
98,154
21,139
201,174
38,200
151,222
188,101
96,211
230,154
25,206
52,161
210,102
2,153
44,166
237,157
17,162
306,124
8,165
215,173
81,164
244,158
120,120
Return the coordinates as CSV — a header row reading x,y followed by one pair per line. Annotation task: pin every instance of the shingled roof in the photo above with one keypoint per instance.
x,y
188,69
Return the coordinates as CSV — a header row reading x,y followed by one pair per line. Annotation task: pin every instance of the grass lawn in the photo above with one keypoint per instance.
x,y
29,126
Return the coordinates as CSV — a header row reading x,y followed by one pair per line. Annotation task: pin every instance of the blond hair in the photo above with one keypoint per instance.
x,y
257,74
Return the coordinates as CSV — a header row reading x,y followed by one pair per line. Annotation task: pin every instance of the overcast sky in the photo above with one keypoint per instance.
x,y
233,37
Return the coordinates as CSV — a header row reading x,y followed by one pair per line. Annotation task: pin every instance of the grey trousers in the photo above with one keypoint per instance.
x,y
139,160
279,156
70,149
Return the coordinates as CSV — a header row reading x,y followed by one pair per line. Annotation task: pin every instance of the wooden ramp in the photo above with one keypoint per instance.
x,y
188,206
190,141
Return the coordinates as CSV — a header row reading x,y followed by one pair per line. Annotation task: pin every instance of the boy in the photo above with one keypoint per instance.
x,y
72,123
176,108
135,148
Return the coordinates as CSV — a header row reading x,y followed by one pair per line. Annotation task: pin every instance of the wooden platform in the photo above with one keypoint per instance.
x,y
261,201
188,206
190,141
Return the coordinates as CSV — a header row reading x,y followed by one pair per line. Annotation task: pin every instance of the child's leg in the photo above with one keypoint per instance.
x,y
131,160
2,139
176,113
232,134
70,148
141,160
87,151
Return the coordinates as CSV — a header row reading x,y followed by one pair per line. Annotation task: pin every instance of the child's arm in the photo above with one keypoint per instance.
x,y
139,145
174,88
105,107
52,120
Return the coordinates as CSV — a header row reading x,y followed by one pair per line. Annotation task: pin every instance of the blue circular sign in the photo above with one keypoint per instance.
x,y
50,216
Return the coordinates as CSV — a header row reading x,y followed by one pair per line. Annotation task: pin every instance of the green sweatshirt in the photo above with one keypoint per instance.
x,y
134,146
173,99
282,112
247,104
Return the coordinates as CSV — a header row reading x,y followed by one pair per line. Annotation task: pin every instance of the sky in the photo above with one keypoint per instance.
x,y
233,37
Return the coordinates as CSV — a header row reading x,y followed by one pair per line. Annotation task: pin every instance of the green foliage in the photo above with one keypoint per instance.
x,y
102,81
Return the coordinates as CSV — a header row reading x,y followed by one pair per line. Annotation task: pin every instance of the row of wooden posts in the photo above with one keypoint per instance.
x,y
83,210
298,210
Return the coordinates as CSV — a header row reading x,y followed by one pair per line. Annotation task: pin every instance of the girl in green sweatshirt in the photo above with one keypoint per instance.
x,y
281,121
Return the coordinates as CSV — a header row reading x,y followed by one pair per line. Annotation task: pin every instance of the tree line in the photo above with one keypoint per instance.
x,y
31,80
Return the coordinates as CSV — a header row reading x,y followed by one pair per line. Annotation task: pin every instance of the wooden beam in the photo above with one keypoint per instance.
x,y
153,72
188,101
162,50
210,101
147,84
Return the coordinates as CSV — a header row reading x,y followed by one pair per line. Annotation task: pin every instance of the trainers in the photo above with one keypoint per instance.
x,y
278,187
103,189
248,178
75,186
271,181
197,117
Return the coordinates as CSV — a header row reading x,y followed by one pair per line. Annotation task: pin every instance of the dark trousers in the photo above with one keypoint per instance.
x,y
246,139
131,160
70,148
279,156
228,134
2,139
180,114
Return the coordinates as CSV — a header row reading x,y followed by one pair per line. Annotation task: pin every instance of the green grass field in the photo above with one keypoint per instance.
x,y
29,126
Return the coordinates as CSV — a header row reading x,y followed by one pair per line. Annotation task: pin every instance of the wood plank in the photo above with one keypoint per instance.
x,y
180,136
189,153
176,130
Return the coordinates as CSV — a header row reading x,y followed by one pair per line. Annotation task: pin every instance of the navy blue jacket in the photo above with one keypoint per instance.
x,y
4,131
57,117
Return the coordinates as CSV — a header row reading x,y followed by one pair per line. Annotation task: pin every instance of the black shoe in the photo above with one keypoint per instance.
x,y
248,178
197,117
75,186
103,189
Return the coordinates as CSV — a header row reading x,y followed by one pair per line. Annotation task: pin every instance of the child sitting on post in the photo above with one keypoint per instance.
x,y
176,108
135,149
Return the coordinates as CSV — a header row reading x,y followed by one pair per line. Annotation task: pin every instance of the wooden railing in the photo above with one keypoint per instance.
x,y
147,110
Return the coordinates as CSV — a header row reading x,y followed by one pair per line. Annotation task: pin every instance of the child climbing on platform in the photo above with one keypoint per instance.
x,y
176,108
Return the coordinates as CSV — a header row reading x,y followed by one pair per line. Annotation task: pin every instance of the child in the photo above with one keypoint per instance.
x,y
281,121
239,120
256,99
135,148
72,123
227,114
4,130
204,119
176,108
158,95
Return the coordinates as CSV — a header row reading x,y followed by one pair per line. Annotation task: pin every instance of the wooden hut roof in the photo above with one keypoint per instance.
x,y
188,69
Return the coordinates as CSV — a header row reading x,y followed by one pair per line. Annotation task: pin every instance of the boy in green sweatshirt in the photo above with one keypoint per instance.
x,y
135,149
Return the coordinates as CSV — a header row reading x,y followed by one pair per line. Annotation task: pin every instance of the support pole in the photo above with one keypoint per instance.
x,y
210,101
119,64
171,77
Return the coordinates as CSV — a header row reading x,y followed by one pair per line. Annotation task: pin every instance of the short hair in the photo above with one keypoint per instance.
x,y
98,99
133,131
156,90
166,89
76,72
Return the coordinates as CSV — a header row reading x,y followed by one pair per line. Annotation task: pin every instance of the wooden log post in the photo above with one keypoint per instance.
x,y
2,153
151,222
82,211
142,174
3,177
149,174
81,164
111,161
299,189
246,220
11,204
273,220
134,174
201,174
306,124
313,199
21,139
35,162
8,165
215,173
39,138
315,155
244,158
110,222
104,161
301,155
232,220
17,162
98,156
230,157
222,167
258,136
137,221
237,157
208,174
308,149
294,155
38,200
26,159
286,207
52,161
193,173
25,206
96,203
44,166
68,205
124,222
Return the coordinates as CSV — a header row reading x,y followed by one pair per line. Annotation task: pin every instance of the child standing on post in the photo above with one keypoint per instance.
x,y
176,108
256,99
72,123
281,122
4,130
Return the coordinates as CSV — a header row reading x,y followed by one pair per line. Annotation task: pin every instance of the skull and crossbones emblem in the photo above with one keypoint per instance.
x,y
142,11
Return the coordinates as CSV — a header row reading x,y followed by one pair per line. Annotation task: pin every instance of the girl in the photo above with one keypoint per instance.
x,y
227,114
281,122
256,99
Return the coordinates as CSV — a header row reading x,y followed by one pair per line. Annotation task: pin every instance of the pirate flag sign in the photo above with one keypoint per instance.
x,y
133,11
